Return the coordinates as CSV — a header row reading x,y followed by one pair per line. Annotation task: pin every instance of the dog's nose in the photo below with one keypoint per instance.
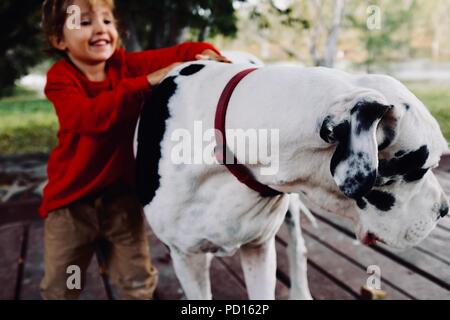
x,y
443,210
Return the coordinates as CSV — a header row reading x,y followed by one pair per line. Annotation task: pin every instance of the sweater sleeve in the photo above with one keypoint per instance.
x,y
145,62
81,114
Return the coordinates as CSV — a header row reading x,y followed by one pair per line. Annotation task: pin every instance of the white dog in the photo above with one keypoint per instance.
x,y
358,146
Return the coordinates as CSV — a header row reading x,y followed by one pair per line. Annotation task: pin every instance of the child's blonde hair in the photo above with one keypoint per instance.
x,y
54,15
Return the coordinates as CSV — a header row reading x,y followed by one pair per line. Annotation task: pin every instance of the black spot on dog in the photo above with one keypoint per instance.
x,y
359,184
367,113
361,203
326,131
389,135
381,182
252,62
342,134
408,165
383,201
191,69
289,219
152,126
443,211
415,175
400,153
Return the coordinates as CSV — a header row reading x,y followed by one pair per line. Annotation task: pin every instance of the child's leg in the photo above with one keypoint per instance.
x,y
69,240
129,258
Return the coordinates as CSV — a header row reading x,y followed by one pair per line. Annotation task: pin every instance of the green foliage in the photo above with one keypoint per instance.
x,y
384,43
436,98
267,16
21,45
150,24
27,125
160,23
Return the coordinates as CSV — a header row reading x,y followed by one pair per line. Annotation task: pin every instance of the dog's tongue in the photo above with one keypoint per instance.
x,y
370,239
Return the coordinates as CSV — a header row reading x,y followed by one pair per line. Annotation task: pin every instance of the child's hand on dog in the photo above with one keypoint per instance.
x,y
209,54
156,77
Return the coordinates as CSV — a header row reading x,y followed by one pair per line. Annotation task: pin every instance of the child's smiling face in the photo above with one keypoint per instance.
x,y
96,39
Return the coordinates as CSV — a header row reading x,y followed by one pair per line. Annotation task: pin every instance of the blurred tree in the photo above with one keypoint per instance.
x,y
20,45
390,41
266,24
147,24
302,30
326,19
161,23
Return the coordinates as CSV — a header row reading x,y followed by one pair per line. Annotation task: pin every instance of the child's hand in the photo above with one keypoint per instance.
x,y
209,54
156,77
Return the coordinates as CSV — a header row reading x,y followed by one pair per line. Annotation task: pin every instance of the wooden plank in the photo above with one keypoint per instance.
x,y
444,223
444,180
321,286
444,164
19,211
341,267
392,273
34,270
418,262
224,284
435,242
94,288
443,175
234,263
168,287
34,263
11,237
227,280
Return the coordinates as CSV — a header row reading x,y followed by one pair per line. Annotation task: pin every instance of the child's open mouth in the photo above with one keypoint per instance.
x,y
99,43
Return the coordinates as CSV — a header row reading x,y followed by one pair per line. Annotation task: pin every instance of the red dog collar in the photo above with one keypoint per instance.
x,y
241,172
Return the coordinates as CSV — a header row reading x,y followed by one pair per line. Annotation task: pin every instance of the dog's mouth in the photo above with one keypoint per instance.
x,y
367,237
370,239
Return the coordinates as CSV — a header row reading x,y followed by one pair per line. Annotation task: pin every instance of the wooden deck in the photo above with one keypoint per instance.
x,y
337,263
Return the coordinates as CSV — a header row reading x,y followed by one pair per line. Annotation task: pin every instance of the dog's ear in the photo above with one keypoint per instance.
x,y
355,161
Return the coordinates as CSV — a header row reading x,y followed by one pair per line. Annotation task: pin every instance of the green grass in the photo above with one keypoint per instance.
x,y
437,98
29,124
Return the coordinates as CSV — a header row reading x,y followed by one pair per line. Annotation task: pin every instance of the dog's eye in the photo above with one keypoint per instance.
x,y
382,182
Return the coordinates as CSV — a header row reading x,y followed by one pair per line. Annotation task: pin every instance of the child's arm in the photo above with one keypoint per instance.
x,y
146,62
78,113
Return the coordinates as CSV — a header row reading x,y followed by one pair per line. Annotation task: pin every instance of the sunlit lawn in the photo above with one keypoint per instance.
x,y
437,99
28,124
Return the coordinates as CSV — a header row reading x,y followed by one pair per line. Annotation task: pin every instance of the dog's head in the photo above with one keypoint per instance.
x,y
385,147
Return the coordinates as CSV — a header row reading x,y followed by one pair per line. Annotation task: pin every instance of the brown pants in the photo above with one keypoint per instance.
x,y
71,234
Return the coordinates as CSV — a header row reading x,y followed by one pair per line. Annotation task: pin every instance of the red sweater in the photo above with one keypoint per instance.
x,y
97,122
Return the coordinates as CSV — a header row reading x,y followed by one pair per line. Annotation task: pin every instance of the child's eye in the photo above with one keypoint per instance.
x,y
107,21
85,23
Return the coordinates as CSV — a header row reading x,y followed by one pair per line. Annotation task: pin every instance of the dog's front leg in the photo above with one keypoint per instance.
x,y
296,251
259,264
192,271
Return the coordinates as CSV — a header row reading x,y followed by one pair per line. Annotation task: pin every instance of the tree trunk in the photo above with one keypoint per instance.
x,y
329,52
131,42
333,34
316,14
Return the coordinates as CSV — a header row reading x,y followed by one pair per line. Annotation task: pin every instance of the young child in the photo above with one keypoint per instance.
x,y
98,91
